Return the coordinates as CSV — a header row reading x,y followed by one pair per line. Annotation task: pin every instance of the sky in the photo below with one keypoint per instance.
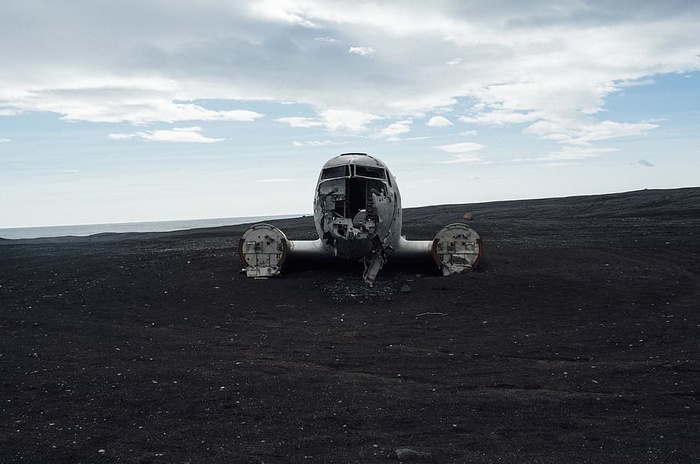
x,y
148,110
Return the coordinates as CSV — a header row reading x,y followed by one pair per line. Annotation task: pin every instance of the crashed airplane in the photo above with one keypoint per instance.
x,y
358,216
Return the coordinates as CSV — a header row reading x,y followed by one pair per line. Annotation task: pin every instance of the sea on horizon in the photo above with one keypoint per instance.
x,y
85,230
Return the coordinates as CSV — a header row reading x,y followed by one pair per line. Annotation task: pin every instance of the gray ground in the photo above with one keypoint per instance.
x,y
576,341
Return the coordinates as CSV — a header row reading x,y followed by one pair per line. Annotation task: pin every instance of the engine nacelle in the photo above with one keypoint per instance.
x,y
457,248
263,248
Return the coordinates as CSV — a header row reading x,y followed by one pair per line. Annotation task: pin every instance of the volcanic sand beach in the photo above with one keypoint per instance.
x,y
575,341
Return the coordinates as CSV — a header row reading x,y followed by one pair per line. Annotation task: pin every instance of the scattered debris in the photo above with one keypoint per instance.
x,y
358,291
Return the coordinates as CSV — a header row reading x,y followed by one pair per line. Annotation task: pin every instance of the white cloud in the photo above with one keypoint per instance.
x,y
460,148
103,102
295,121
462,158
439,121
314,143
344,121
273,11
338,121
362,51
4,140
499,117
454,62
462,152
393,130
574,153
179,134
583,131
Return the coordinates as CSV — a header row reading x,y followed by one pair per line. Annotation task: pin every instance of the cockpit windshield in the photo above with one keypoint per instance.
x,y
370,171
335,172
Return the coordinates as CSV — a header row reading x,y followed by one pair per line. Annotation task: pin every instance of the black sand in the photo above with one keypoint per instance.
x,y
576,341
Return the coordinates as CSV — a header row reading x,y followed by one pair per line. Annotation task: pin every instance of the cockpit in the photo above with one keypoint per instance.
x,y
348,189
353,170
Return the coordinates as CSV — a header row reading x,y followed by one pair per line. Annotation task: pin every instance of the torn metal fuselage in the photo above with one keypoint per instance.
x,y
357,210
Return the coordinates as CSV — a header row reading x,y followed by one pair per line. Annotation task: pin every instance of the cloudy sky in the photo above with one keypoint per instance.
x,y
141,110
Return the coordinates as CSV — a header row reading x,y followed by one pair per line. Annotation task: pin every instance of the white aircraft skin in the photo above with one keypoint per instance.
x,y
358,216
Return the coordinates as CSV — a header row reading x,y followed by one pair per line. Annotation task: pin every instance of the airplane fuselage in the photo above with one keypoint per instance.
x,y
358,215
357,206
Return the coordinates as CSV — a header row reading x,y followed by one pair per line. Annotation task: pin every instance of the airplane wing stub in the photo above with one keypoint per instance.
x,y
263,248
457,248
